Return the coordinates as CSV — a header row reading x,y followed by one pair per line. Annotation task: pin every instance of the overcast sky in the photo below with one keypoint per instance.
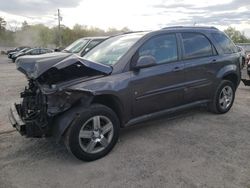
x,y
134,14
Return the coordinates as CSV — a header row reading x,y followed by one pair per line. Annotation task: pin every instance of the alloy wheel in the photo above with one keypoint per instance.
x,y
96,134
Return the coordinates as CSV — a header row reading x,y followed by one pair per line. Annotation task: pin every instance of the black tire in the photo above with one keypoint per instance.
x,y
74,143
215,105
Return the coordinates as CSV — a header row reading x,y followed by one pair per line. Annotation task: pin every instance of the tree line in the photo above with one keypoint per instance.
x,y
41,35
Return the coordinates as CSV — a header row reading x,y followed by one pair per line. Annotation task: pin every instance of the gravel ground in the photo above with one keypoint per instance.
x,y
192,149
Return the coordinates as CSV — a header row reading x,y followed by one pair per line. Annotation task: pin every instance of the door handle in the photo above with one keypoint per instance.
x,y
176,69
213,61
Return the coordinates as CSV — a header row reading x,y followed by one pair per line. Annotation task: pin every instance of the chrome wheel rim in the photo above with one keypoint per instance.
x,y
226,97
96,134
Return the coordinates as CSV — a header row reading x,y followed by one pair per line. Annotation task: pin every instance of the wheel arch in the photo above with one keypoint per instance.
x,y
111,101
233,78
63,121
231,73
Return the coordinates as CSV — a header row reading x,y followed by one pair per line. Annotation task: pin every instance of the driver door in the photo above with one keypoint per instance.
x,y
161,86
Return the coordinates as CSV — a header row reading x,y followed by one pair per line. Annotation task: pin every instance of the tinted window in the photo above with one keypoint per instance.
x,y
225,43
196,45
35,52
162,48
43,51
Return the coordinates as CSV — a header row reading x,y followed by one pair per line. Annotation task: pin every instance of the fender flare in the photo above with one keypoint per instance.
x,y
62,122
229,69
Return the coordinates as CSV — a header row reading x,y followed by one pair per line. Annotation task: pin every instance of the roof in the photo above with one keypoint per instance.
x,y
93,38
191,27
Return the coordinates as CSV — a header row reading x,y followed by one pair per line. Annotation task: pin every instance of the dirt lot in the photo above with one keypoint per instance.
x,y
194,149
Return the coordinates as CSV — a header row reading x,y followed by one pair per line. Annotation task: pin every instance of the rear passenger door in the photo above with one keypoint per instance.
x,y
161,86
198,55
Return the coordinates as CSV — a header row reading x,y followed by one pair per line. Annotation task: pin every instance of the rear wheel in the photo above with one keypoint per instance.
x,y
224,97
93,134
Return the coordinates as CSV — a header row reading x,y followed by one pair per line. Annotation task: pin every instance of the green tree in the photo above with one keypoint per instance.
x,y
236,36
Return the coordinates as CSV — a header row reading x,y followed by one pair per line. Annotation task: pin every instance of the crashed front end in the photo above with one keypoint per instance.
x,y
30,116
49,92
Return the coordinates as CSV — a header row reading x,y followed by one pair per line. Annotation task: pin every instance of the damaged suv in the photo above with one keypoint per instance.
x,y
127,79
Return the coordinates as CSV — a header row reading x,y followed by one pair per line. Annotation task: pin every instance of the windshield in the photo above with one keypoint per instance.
x,y
112,49
24,50
76,46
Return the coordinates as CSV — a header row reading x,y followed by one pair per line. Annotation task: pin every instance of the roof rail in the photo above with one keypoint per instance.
x,y
191,27
127,32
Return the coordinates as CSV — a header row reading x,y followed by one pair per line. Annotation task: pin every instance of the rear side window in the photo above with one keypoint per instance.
x,y
35,52
225,43
163,48
196,45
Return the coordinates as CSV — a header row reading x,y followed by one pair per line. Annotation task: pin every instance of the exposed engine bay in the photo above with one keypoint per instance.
x,y
48,93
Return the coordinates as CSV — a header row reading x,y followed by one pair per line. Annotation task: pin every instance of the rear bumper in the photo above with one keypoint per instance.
x,y
16,120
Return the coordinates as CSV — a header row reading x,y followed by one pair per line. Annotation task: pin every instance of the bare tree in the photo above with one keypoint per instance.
x,y
2,24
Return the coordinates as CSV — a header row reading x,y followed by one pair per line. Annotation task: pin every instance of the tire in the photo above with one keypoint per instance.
x,y
93,142
220,104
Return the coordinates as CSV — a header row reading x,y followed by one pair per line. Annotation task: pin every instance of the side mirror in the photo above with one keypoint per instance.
x,y
145,61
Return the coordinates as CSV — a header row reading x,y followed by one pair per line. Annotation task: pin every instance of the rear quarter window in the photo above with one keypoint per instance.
x,y
196,45
225,43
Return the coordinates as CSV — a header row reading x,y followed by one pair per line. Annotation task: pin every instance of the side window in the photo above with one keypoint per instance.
x,y
225,43
162,48
43,51
196,45
35,52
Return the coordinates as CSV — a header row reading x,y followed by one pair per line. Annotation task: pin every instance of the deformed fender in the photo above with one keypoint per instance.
x,y
64,120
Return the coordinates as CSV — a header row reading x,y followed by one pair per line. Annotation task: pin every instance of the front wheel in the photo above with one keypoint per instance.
x,y
93,134
223,98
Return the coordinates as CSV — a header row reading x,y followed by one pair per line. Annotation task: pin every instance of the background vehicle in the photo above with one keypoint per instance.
x,y
127,79
11,54
16,49
83,45
33,51
243,56
245,80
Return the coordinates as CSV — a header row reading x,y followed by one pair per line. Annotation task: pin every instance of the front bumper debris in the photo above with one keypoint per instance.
x,y
15,119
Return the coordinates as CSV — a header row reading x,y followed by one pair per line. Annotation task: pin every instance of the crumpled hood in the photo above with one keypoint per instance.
x,y
35,66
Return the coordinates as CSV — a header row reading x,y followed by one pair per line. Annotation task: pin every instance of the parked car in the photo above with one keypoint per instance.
x,y
248,66
83,45
11,54
33,51
243,56
127,79
16,49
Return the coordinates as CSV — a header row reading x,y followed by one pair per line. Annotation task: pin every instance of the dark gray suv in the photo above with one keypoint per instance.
x,y
128,78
